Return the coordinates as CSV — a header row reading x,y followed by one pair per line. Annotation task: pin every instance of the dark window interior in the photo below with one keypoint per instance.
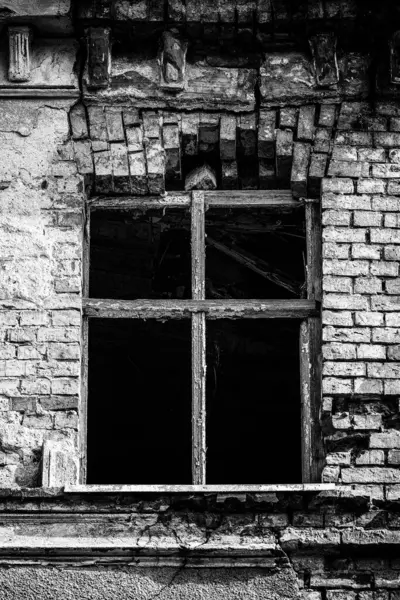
x,y
254,253
142,255
139,402
253,402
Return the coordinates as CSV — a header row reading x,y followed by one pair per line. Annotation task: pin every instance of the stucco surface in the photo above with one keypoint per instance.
x,y
37,583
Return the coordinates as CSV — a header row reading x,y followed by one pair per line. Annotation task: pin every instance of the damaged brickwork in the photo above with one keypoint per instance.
x,y
299,96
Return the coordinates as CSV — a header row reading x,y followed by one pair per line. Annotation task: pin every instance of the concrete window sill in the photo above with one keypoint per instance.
x,y
224,489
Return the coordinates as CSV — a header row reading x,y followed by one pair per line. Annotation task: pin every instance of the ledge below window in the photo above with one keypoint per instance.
x,y
218,489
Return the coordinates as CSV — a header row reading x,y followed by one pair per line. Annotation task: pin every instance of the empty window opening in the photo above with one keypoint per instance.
x,y
141,255
255,253
253,402
139,410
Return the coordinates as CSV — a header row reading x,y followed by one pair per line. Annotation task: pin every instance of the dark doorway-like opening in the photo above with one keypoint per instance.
x,y
253,402
139,402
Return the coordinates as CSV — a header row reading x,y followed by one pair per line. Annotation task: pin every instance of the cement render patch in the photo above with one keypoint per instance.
x,y
132,583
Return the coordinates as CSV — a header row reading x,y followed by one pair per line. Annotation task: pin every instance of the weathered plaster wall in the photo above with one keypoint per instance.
x,y
41,232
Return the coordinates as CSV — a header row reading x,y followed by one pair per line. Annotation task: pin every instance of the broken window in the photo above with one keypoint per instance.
x,y
202,336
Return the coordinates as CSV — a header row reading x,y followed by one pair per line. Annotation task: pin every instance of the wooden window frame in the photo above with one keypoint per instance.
x,y
199,309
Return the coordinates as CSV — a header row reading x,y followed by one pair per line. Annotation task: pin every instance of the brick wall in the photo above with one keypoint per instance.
x,y
361,309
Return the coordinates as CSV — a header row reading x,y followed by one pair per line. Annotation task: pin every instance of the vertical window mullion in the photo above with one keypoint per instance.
x,y
198,342
83,408
310,352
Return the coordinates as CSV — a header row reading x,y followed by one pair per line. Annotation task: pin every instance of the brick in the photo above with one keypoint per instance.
x,y
59,334
327,115
384,269
394,188
66,318
367,219
344,369
366,251
385,236
387,171
316,172
29,353
392,253
66,420
337,186
330,474
392,319
134,138
38,421
267,134
137,169
64,351
97,123
346,267
367,285
333,250
336,217
59,402
35,386
345,302
389,440
394,155
393,352
322,140
344,234
394,124
65,386
393,457
386,203
387,139
284,154
347,169
341,334
337,284
391,220
299,174
190,130
288,117
344,153
371,154
371,186
368,386
342,420
370,422
305,129
371,457
338,458
354,138
34,317
346,202
78,120
341,319
371,475
385,303
333,385
386,335
227,137
392,287
115,127
371,352
391,388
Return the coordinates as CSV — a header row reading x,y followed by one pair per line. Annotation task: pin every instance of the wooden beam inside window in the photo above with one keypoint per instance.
x,y
198,342
277,200
310,354
213,309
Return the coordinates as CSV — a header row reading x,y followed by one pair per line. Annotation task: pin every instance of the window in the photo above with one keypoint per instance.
x,y
202,339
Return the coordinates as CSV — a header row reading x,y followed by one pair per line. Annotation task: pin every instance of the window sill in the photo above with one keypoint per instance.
x,y
217,489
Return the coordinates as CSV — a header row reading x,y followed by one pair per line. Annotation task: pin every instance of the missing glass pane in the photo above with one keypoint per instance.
x,y
255,253
253,402
140,255
139,402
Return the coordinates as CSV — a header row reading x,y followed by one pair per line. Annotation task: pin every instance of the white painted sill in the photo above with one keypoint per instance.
x,y
209,489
